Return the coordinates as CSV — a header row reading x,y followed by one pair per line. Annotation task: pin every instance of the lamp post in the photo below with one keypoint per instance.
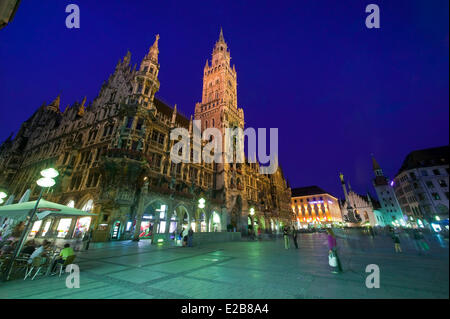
x,y
45,182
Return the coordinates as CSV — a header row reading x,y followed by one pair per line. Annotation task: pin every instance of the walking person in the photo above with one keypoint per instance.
x,y
190,237
332,249
87,238
286,237
396,239
184,236
294,236
419,240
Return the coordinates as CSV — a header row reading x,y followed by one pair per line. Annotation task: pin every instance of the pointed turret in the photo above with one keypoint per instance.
x,y
146,83
54,106
174,116
82,109
127,58
154,51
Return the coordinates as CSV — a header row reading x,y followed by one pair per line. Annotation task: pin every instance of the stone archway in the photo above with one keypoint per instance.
x,y
215,222
183,217
154,218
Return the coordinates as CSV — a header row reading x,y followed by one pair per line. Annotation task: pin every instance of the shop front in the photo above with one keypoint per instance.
x,y
214,222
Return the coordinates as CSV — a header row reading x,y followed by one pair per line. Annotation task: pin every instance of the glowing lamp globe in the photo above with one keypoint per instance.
x,y
46,182
252,211
201,203
2,195
49,172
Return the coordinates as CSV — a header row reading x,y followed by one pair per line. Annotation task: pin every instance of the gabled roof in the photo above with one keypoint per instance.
x,y
167,110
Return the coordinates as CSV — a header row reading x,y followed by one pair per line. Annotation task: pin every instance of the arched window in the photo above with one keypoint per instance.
x,y
213,123
206,124
71,204
88,206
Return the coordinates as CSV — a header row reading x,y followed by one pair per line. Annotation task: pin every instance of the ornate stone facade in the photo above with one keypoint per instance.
x,y
115,152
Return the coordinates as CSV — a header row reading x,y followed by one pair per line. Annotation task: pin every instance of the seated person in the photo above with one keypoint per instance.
x,y
29,248
65,252
8,247
40,251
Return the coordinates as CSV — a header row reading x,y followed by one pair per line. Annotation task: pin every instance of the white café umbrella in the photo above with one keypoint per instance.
x,y
45,208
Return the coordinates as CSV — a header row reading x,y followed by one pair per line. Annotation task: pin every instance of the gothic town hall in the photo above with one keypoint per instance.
x,y
113,156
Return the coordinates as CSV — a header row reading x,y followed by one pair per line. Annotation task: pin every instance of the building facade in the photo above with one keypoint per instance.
x,y
357,210
421,186
113,156
313,207
391,213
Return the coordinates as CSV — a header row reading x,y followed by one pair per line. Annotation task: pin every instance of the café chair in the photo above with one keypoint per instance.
x,y
37,262
69,260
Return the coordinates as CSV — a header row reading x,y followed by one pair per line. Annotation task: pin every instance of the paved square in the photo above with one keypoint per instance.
x,y
248,269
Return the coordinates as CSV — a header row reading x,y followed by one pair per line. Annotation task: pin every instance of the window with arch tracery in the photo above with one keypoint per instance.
x,y
71,204
88,206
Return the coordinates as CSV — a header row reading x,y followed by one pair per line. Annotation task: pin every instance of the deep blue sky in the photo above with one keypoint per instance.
x,y
336,90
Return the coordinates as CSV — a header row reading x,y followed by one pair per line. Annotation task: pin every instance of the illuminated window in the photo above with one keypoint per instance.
x,y
46,227
36,227
63,227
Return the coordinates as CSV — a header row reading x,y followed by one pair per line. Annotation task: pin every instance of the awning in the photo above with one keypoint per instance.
x,y
45,208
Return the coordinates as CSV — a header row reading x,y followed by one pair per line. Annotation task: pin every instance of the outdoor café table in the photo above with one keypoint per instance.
x,y
52,255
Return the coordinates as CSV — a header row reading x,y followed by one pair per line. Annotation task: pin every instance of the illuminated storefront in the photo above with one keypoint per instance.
x,y
215,222
173,224
202,222
36,227
82,227
146,227
63,227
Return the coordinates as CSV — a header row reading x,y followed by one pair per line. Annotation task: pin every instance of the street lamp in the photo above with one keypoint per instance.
x,y
201,203
252,211
45,182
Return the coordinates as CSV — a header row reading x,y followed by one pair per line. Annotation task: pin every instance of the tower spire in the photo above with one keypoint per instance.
x,y
221,39
375,164
376,167
154,50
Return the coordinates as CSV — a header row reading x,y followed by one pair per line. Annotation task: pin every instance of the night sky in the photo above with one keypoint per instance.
x,y
336,90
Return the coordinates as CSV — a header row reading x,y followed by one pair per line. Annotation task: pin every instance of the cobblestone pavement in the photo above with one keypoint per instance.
x,y
248,269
